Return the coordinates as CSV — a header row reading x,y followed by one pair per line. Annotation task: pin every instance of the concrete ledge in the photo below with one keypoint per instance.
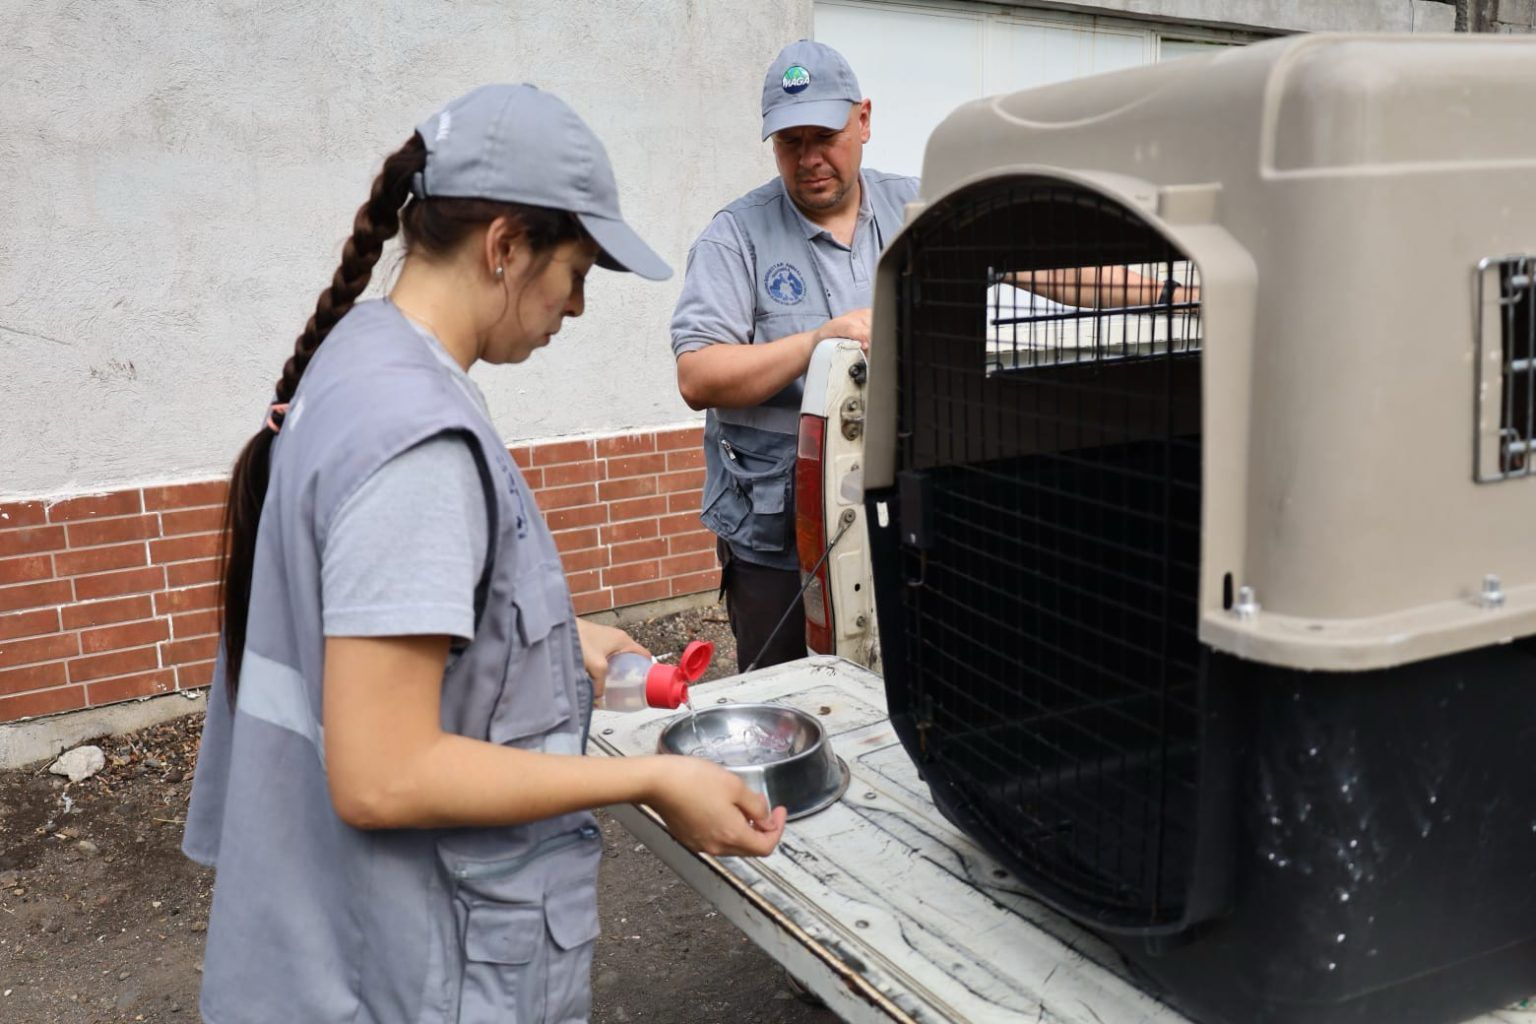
x,y
36,739
1267,16
654,609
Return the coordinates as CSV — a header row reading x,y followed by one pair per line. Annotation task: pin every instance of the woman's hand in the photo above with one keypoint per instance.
x,y
598,644
710,810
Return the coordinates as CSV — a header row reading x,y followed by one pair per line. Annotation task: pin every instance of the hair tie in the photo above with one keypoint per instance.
x,y
276,413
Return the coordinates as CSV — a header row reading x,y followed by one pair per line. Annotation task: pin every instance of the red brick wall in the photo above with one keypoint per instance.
x,y
113,596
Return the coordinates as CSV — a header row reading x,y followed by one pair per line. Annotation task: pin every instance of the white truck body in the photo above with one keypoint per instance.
x,y
834,387
878,904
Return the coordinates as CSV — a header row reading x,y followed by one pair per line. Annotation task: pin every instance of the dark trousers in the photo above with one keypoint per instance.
x,y
755,599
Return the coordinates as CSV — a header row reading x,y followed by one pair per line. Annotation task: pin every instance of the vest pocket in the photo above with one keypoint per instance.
x,y
501,973
533,697
526,963
528,923
725,509
502,933
571,917
754,496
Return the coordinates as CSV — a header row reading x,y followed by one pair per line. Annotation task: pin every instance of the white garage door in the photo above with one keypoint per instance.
x,y
919,61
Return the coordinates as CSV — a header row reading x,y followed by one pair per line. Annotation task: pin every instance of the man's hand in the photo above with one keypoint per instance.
x,y
598,644
740,376
853,324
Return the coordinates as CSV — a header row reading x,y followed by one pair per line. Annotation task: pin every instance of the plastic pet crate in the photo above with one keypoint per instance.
x,y
1201,505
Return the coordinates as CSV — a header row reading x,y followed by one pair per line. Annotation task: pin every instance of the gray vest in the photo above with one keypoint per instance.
x,y
749,454
313,920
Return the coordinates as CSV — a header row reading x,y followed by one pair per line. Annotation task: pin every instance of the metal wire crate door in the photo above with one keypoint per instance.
x,y
1050,473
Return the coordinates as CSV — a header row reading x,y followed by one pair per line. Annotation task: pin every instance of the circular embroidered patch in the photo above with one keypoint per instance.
x,y
796,79
784,284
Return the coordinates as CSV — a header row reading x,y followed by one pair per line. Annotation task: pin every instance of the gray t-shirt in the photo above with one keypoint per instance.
x,y
406,550
718,300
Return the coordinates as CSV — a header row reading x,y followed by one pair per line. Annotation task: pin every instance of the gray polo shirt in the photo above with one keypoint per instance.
x,y
718,301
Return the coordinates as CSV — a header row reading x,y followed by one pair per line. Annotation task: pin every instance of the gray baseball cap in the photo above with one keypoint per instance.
x,y
808,83
516,144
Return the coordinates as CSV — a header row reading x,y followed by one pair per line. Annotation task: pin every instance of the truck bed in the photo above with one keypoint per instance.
x,y
878,904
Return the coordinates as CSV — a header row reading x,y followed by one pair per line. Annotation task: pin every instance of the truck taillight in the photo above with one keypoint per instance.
x,y
811,533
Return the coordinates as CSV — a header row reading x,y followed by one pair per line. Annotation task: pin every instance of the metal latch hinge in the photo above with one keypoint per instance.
x,y
852,414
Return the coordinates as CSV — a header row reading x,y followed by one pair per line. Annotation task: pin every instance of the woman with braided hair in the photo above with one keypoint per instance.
x,y
390,784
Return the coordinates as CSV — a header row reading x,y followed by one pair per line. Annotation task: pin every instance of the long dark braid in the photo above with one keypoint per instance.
x,y
377,221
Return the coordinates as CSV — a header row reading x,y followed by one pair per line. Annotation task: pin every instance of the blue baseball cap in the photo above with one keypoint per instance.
x,y
808,83
516,144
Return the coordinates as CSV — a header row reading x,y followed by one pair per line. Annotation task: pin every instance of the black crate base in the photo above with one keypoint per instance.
x,y
1384,864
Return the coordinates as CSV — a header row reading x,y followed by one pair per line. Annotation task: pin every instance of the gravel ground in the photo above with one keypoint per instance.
x,y
102,918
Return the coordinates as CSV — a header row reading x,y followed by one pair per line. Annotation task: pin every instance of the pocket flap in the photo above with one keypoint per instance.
x,y
725,510
535,697
503,933
536,615
572,916
768,496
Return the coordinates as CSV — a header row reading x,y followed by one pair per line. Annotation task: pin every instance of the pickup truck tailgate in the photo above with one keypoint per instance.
x,y
877,903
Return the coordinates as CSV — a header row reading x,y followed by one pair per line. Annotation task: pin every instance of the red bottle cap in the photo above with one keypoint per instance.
x,y
695,660
666,686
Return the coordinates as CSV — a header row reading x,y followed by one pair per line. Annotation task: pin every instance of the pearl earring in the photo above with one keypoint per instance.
x,y
500,271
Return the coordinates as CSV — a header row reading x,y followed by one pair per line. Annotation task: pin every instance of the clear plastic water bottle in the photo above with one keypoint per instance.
x,y
636,682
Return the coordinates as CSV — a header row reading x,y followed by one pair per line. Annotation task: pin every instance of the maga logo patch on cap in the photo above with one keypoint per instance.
x,y
796,79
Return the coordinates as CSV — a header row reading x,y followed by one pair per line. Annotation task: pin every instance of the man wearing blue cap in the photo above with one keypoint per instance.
x,y
784,267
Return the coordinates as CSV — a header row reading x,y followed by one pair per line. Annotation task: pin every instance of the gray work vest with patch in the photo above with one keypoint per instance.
x,y
749,454
313,920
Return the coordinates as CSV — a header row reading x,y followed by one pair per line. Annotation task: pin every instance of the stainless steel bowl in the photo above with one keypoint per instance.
x,y
780,751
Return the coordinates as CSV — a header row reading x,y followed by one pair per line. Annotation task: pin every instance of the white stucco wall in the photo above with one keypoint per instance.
x,y
178,179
